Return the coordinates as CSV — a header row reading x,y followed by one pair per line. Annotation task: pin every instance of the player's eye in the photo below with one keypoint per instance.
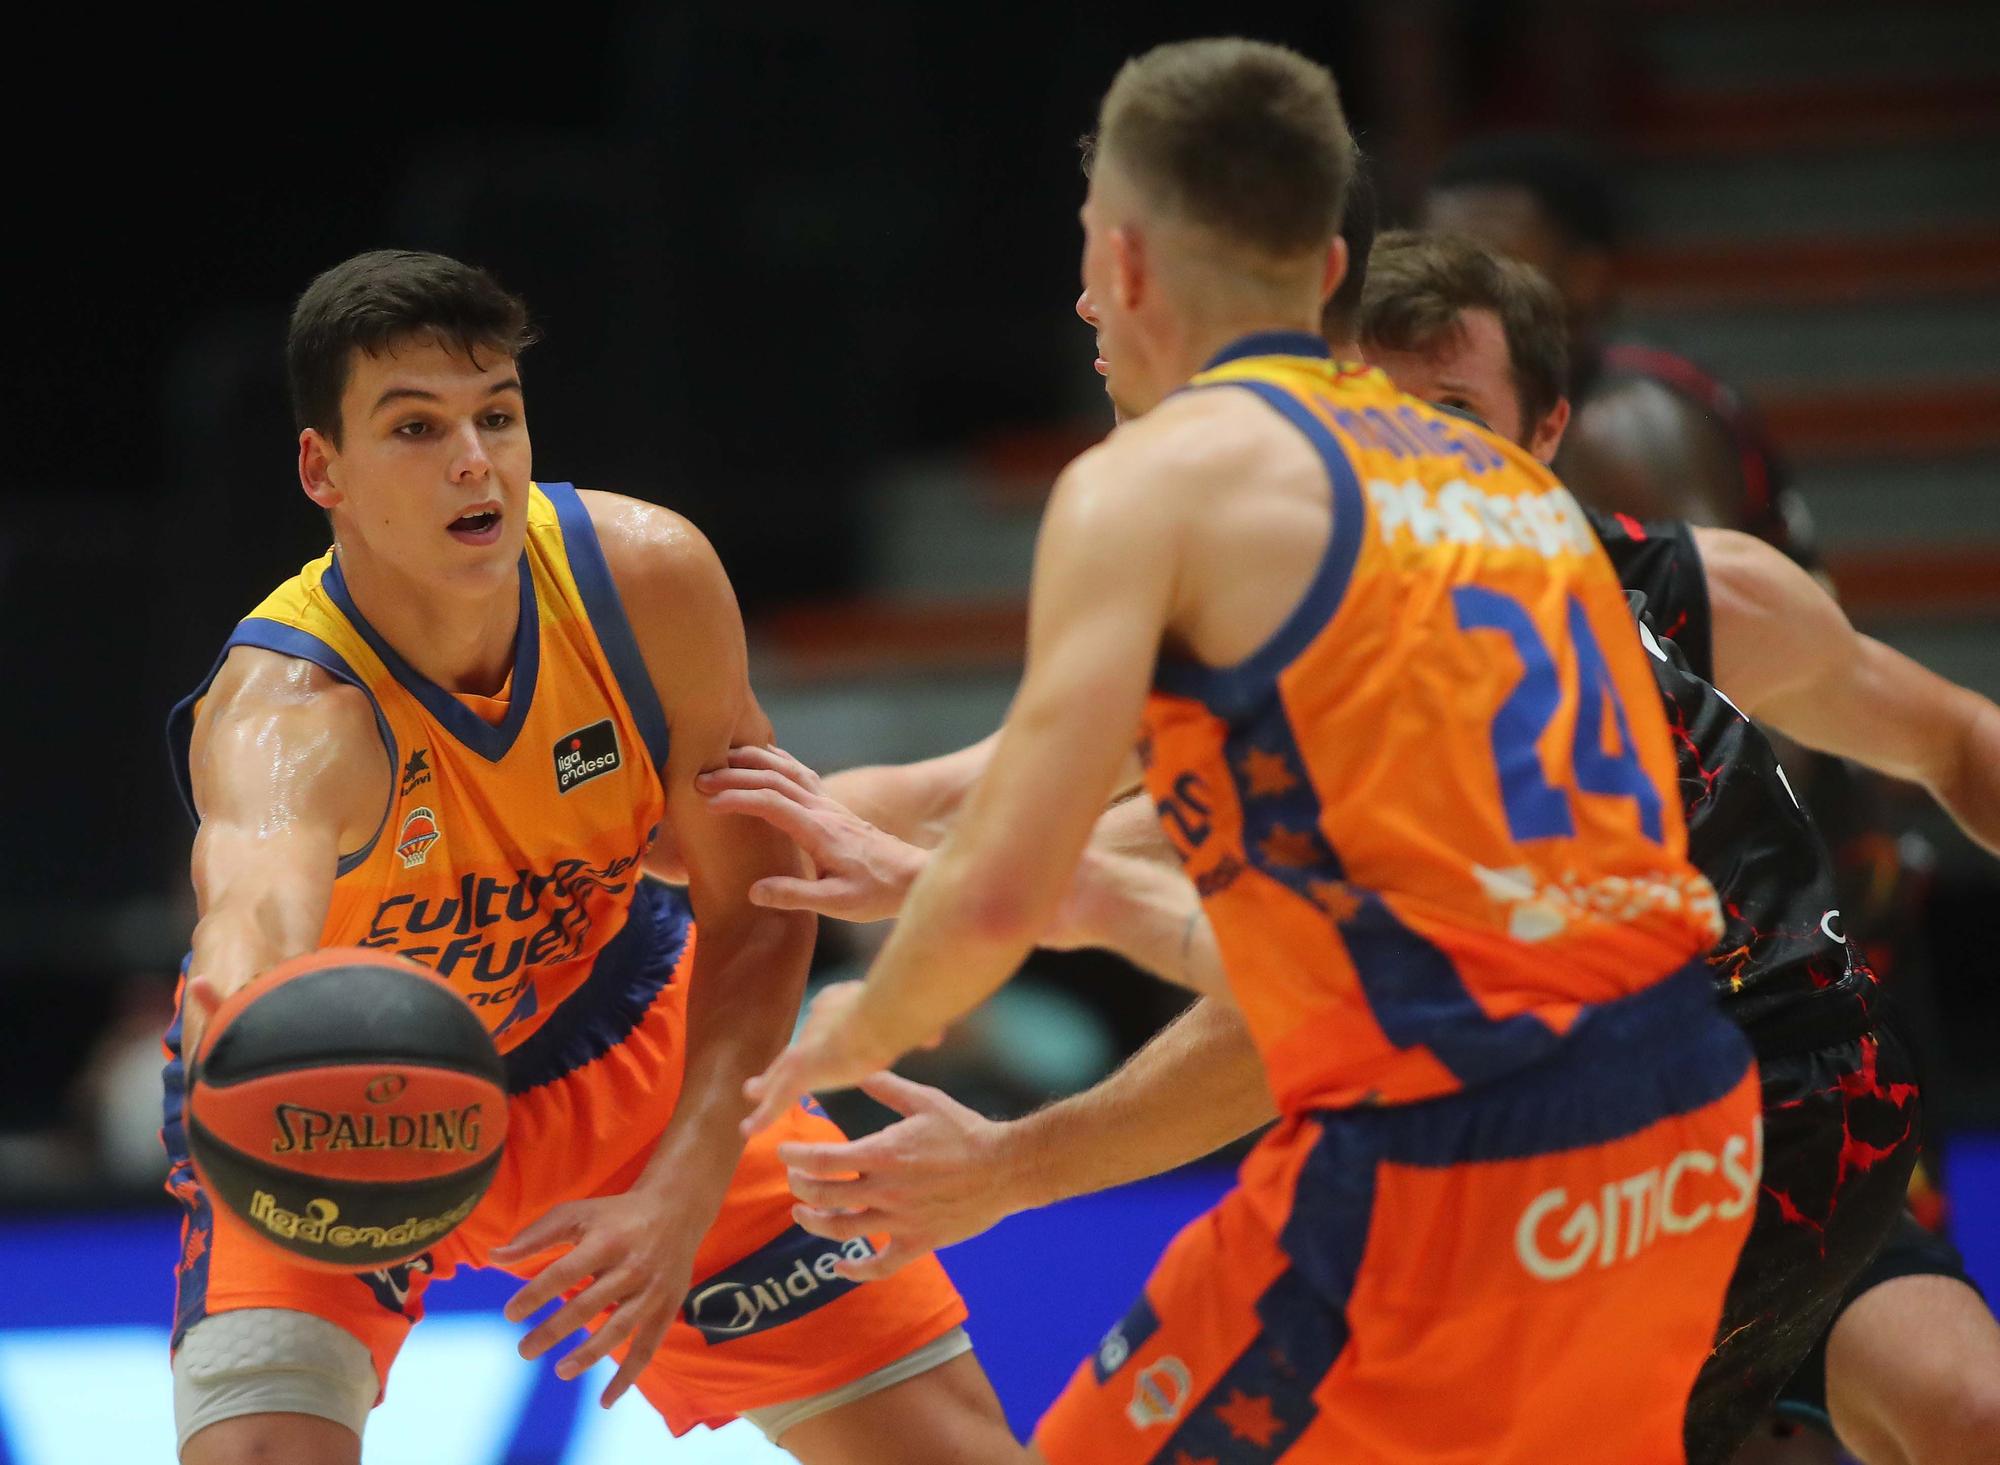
x,y
413,429
496,421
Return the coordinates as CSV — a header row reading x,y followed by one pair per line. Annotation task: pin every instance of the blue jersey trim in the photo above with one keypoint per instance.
x,y
1271,343
1234,691
625,980
608,618
269,635
489,740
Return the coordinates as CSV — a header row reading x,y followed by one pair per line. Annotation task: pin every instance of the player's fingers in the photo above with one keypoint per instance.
x,y
550,1283
562,1226
889,1260
645,1343
794,821
777,760
610,1333
573,1315
724,780
772,1092
829,1161
830,1195
790,893
903,1095
840,1225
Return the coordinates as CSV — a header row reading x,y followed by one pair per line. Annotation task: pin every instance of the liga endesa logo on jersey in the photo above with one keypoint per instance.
x,y
414,840
587,753
775,1284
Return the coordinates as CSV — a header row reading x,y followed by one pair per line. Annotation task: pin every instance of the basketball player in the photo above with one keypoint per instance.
x,y
1436,1059
1463,327
1655,435
455,736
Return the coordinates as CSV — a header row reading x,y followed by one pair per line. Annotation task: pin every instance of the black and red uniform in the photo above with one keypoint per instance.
x,y
1841,1108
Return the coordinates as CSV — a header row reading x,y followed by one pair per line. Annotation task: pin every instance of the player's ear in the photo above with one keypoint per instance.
x,y
1335,271
316,459
1128,267
1548,433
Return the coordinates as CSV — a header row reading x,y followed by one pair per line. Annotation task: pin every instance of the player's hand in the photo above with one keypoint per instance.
x,y
860,873
932,1179
834,1049
624,1259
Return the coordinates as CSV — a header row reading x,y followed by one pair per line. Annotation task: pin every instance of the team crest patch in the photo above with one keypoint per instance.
x,y
419,833
589,752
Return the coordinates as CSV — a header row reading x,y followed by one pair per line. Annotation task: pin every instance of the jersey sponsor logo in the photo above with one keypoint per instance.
x,y
305,1130
589,752
551,917
776,1284
1160,1393
1538,910
1548,523
1627,1216
415,838
1829,927
416,772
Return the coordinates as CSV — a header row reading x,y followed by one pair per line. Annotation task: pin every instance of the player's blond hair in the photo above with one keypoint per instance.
x,y
1241,138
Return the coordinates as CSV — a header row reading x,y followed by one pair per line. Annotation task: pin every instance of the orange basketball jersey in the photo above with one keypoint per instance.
x,y
508,856
1434,817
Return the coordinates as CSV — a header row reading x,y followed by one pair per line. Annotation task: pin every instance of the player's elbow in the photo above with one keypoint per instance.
x,y
1002,912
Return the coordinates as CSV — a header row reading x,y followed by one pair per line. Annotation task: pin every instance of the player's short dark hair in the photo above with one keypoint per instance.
x,y
1420,284
1570,182
376,299
1243,138
1357,227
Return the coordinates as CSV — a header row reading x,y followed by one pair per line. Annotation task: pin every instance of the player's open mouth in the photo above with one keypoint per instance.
x,y
477,526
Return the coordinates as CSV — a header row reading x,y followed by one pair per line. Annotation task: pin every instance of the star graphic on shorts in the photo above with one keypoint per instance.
x,y
1290,848
1335,897
1267,774
1249,1417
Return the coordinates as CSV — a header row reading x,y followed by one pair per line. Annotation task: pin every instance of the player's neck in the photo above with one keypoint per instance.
x,y
1199,341
463,642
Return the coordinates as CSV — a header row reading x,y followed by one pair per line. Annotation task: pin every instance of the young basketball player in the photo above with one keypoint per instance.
x,y
456,736
1337,753
1915,1366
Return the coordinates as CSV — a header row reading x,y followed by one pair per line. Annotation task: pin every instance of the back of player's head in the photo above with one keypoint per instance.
x,y
1339,321
1421,284
375,300
1569,182
1242,139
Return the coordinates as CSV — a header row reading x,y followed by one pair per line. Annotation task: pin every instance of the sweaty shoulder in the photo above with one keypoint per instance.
x,y
273,728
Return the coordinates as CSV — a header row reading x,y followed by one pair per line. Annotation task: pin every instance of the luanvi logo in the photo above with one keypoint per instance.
x,y
417,771
584,754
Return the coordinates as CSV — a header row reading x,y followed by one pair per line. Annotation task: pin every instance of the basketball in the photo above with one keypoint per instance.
x,y
348,1107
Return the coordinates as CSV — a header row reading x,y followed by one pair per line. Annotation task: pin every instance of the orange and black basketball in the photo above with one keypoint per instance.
x,y
349,1107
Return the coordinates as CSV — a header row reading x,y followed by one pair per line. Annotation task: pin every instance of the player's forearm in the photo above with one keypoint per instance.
x,y
1148,913
915,802
1195,1087
743,998
1969,786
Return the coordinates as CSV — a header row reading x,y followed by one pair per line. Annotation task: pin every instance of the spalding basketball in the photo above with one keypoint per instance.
x,y
349,1107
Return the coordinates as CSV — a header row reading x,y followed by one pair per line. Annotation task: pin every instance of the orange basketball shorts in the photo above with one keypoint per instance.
x,y
766,1321
1527,1272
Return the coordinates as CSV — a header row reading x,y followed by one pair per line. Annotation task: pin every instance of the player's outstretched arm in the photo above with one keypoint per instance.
x,y
288,771
943,1173
634,1253
1785,653
1104,582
